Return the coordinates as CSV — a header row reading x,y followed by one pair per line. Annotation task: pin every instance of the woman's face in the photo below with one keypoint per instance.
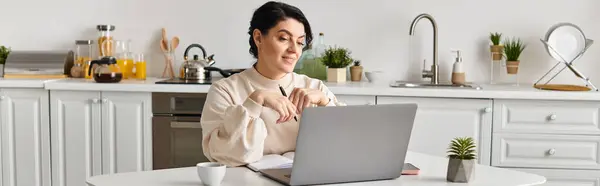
x,y
282,46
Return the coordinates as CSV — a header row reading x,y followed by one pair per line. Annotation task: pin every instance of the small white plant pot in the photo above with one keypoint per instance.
x,y
336,75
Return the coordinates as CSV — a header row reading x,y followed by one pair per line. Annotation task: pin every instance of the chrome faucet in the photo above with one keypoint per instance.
x,y
434,73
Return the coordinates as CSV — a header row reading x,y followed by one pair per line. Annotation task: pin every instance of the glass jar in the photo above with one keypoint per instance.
x,y
83,55
105,40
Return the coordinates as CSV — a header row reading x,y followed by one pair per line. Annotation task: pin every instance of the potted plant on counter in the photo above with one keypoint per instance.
x,y
461,160
336,59
513,49
4,51
497,49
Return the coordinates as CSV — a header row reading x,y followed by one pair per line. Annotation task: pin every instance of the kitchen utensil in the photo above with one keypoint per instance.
x,y
563,42
168,50
195,69
106,70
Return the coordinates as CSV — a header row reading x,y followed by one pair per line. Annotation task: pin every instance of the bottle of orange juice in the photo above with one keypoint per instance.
x,y
140,66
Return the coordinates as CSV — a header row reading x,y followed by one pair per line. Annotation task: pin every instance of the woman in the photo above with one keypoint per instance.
x,y
245,115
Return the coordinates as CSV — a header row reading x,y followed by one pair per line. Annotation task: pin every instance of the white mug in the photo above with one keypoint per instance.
x,y
211,173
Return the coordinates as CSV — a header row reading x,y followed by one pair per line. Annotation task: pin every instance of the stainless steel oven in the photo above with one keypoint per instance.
x,y
176,130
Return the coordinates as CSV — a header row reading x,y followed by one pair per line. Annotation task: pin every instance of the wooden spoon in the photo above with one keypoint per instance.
x,y
174,44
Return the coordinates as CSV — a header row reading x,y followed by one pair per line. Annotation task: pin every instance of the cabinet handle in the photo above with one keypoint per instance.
x,y
95,100
487,110
104,100
2,97
552,117
551,151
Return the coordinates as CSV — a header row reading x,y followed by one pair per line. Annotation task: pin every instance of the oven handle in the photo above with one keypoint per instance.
x,y
185,125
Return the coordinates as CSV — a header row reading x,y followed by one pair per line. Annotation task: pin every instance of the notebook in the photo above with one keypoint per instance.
x,y
271,161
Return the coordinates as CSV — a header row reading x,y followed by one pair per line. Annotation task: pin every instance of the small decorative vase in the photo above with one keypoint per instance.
x,y
460,171
336,75
512,67
497,51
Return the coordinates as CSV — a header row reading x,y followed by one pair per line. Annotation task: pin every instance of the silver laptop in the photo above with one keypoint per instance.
x,y
349,144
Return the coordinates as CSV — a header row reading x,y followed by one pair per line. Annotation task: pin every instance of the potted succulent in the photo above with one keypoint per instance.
x,y
4,51
461,160
513,49
336,59
497,49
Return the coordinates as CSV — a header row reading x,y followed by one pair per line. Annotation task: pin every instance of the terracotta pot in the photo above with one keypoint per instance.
x,y
512,67
336,75
356,73
459,170
497,51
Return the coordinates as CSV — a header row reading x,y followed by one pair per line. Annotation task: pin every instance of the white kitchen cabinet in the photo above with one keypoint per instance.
x,y
24,137
356,100
126,132
439,120
95,133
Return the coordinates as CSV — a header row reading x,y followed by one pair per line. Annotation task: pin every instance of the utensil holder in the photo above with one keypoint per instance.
x,y
569,65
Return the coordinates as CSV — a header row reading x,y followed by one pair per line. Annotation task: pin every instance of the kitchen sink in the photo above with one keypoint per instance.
x,y
401,84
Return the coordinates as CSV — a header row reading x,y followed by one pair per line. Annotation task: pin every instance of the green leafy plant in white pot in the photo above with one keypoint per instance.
x,y
461,159
336,59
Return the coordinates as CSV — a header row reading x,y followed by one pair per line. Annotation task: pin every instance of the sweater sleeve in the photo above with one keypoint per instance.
x,y
233,134
333,101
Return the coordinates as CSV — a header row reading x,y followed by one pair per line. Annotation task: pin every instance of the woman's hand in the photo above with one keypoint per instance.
x,y
277,102
302,98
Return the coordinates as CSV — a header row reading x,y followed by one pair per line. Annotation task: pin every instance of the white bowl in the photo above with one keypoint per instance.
x,y
211,173
374,76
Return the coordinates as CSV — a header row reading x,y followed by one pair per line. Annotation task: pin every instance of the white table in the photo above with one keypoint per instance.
x,y
433,173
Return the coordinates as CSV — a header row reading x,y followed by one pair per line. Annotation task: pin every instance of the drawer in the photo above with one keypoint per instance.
x,y
546,151
356,100
557,177
546,117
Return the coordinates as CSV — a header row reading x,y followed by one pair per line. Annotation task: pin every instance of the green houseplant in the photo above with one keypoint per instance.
x,y
4,51
461,159
336,59
513,48
497,49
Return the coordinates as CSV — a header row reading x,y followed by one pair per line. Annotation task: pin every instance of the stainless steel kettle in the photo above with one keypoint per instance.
x,y
195,69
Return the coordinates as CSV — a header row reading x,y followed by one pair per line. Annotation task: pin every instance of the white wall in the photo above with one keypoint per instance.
x,y
375,30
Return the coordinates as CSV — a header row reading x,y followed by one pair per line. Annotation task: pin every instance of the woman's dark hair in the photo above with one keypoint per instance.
x,y
269,14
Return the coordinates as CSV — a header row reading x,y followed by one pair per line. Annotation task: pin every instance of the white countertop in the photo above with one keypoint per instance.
x,y
23,83
524,91
432,173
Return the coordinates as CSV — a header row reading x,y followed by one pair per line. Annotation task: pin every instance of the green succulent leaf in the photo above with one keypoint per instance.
x,y
462,148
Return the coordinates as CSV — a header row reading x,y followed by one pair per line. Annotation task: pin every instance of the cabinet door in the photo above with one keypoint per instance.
x,y
25,137
439,120
126,132
356,100
75,137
